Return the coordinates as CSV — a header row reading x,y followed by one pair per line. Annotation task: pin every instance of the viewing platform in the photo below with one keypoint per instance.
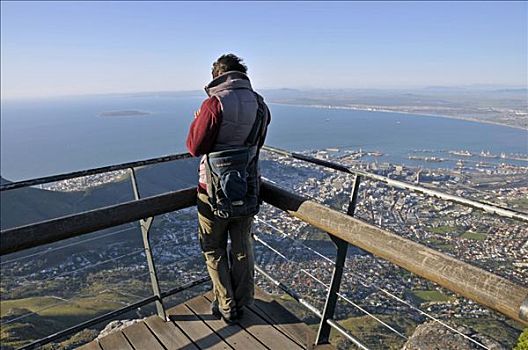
x,y
265,325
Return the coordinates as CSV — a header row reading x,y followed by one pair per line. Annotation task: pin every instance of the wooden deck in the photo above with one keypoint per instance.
x,y
265,325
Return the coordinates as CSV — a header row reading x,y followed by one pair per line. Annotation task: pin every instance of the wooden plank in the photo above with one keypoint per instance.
x,y
277,315
141,338
234,335
195,328
170,336
265,332
115,341
287,322
93,345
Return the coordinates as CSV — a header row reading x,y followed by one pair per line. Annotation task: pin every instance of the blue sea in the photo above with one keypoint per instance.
x,y
50,136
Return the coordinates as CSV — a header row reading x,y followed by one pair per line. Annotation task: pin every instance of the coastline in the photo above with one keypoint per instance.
x,y
366,109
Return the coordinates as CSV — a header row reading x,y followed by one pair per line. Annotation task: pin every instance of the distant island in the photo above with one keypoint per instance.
x,y
125,113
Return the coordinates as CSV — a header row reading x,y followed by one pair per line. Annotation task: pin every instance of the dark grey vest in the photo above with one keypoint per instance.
x,y
239,108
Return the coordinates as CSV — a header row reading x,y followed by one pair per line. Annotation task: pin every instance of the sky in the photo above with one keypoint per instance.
x,y
74,48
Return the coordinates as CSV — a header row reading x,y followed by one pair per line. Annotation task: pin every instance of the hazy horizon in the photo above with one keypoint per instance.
x,y
468,88
69,48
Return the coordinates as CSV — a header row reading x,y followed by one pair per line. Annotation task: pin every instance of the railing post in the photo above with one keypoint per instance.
x,y
145,225
342,247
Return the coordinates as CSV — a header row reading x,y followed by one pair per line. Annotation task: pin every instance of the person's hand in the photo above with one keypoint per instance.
x,y
196,114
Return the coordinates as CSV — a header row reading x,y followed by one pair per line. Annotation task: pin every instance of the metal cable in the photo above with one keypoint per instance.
x,y
367,284
327,288
66,246
94,171
487,207
173,264
135,252
344,332
271,248
293,189
289,237
63,301
297,296
427,315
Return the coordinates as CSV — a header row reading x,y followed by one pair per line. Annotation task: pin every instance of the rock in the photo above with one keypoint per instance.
x,y
118,325
433,336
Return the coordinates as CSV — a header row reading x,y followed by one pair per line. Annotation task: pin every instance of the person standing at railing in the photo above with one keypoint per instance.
x,y
228,131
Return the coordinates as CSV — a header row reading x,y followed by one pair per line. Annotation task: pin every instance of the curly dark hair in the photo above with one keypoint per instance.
x,y
228,62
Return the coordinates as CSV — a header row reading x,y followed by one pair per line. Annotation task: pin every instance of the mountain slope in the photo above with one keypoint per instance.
x,y
29,205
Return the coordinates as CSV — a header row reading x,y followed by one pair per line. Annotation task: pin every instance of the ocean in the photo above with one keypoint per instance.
x,y
50,136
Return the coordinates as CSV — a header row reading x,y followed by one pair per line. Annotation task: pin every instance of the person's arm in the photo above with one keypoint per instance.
x,y
204,129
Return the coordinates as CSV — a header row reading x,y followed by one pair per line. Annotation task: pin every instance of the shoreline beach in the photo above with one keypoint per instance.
x,y
368,109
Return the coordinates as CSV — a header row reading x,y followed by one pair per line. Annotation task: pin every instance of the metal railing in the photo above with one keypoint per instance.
x,y
94,171
467,280
487,207
140,209
474,283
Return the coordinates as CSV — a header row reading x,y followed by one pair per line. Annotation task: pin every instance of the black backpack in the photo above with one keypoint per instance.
x,y
233,179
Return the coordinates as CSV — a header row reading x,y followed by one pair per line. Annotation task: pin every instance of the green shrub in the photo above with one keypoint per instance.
x,y
522,343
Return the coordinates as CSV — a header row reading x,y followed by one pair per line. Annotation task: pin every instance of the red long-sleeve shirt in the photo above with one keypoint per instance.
x,y
203,132
204,129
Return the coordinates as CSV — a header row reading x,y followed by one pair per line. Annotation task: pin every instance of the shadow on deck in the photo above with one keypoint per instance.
x,y
265,325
